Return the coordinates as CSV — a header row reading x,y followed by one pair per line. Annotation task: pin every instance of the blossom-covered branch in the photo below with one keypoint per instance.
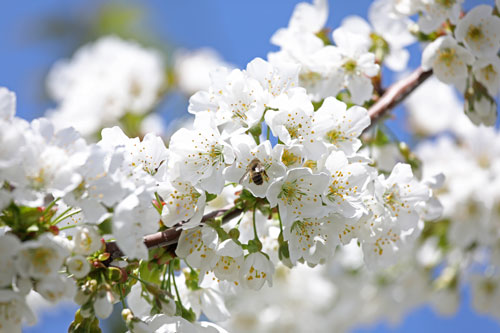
x,y
278,145
392,96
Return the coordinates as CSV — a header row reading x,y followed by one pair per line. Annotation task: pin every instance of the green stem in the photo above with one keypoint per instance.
x,y
138,278
169,284
239,221
176,290
163,281
70,226
268,132
188,265
279,219
59,219
47,209
158,200
121,296
254,223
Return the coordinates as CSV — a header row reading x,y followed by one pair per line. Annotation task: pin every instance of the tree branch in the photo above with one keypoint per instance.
x,y
396,93
171,235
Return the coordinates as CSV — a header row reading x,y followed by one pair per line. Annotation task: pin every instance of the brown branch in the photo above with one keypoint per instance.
x,y
396,93
171,236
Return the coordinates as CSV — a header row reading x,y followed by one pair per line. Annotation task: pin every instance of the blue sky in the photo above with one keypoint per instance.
x,y
239,30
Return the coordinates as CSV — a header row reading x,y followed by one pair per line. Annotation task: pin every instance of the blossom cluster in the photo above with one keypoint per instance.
x,y
457,249
313,184
103,82
465,54
276,170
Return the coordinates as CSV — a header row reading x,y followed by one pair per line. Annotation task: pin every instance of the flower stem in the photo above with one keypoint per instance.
x,y
61,217
279,219
175,287
138,278
254,223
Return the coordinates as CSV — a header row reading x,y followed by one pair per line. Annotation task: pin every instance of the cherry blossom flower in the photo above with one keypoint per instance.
x,y
448,60
479,31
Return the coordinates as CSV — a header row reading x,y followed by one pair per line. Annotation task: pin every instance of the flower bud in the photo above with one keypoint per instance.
x,y
103,305
127,315
81,297
78,266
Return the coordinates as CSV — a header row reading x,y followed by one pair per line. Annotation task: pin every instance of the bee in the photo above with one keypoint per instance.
x,y
256,171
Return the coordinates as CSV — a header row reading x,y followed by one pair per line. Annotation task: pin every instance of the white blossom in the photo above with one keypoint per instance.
x,y
479,31
228,261
256,270
342,126
78,266
448,60
134,218
56,288
235,99
435,12
198,247
487,72
208,301
9,247
357,65
199,156
103,304
86,240
347,181
298,195
13,311
311,239
182,202
104,80
192,69
41,258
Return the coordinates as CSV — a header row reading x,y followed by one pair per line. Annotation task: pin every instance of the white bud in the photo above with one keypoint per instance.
x,y
78,266
81,297
86,241
103,305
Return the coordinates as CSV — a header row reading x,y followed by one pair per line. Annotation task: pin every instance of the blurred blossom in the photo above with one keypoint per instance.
x,y
102,82
192,69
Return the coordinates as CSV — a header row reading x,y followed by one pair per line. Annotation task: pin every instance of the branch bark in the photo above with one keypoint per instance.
x,y
394,95
171,236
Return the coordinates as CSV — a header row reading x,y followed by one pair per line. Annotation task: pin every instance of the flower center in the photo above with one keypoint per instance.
x,y
288,158
350,66
489,72
447,55
293,130
290,191
310,77
216,155
333,136
475,33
